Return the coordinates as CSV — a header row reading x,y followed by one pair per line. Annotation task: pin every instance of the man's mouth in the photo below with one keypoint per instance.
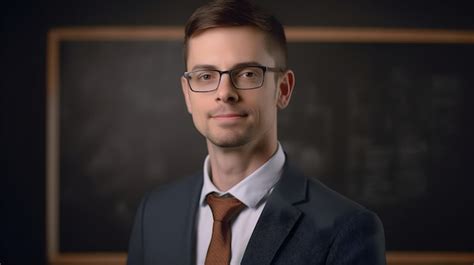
x,y
229,116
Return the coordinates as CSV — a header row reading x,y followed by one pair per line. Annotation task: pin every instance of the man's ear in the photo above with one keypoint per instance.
x,y
286,83
185,89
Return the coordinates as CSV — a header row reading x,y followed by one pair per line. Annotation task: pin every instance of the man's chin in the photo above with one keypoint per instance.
x,y
229,143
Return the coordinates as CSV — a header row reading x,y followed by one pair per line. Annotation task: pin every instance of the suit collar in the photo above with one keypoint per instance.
x,y
292,185
278,218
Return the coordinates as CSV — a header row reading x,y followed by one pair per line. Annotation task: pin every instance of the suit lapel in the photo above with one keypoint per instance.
x,y
189,242
277,220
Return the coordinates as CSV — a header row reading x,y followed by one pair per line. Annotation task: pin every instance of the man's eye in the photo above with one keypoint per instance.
x,y
248,74
205,76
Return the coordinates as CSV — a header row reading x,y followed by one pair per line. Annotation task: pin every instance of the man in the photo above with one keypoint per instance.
x,y
249,206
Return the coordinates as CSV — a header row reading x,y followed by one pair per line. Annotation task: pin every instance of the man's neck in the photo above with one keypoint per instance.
x,y
229,166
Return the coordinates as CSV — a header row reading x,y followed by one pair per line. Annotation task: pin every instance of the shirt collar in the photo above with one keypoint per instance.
x,y
252,189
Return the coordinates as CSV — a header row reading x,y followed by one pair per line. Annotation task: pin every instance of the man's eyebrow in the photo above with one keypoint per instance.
x,y
204,67
253,63
213,67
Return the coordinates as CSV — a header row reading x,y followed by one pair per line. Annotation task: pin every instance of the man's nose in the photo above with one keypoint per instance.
x,y
226,92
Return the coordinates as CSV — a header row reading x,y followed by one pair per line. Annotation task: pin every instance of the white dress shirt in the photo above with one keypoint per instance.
x,y
251,191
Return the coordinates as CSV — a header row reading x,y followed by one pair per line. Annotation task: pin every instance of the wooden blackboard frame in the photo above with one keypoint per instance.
x,y
294,34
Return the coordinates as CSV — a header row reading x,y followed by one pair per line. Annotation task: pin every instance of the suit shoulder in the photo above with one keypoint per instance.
x,y
175,192
329,198
177,187
329,206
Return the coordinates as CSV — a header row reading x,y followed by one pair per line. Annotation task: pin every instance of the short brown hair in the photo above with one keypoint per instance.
x,y
228,13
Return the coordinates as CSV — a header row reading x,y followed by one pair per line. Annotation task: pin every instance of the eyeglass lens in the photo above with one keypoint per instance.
x,y
242,78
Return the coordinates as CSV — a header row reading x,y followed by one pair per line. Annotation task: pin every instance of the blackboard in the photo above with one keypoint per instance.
x,y
384,124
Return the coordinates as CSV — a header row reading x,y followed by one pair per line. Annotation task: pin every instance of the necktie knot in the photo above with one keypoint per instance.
x,y
224,209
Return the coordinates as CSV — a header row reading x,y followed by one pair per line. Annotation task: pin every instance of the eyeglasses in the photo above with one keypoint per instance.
x,y
244,77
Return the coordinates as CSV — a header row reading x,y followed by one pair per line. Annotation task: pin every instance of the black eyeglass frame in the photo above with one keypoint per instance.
x,y
265,69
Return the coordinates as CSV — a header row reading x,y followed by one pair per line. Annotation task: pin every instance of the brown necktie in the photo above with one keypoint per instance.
x,y
224,209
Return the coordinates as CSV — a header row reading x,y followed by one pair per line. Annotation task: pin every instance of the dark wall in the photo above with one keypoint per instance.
x,y
24,26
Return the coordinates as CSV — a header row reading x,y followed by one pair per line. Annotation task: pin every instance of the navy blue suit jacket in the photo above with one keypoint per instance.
x,y
303,222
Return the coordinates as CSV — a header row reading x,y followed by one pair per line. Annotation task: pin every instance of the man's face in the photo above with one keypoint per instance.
x,y
229,117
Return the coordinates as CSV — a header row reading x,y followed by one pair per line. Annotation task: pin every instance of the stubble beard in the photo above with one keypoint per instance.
x,y
228,141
